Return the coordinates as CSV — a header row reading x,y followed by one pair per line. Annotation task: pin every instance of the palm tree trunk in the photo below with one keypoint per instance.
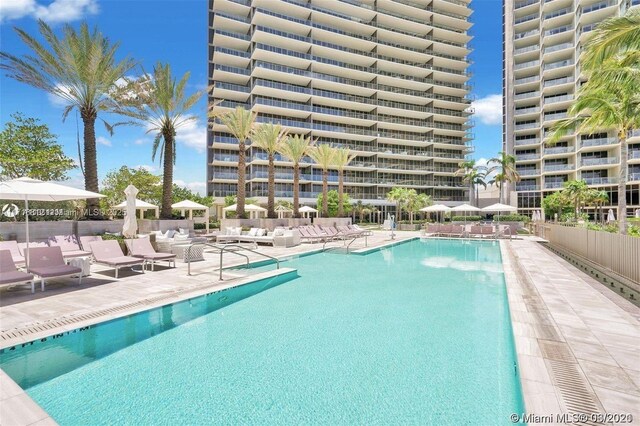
x,y
242,169
296,190
167,176
471,193
90,161
500,192
271,189
325,193
622,186
340,193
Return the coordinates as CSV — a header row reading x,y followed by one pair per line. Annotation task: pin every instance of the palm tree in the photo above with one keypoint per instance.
x,y
614,36
398,196
607,102
162,103
323,155
415,202
341,159
269,137
295,148
80,68
506,164
576,191
599,198
474,176
240,123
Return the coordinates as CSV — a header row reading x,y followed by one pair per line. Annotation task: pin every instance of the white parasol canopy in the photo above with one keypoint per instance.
x,y
282,210
436,208
500,208
253,209
140,205
191,206
610,216
130,227
27,189
306,211
465,208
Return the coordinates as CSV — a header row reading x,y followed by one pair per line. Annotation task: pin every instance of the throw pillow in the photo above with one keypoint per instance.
x,y
183,231
278,232
170,233
261,232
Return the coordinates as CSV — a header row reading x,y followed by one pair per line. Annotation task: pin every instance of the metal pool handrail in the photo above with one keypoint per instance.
x,y
222,249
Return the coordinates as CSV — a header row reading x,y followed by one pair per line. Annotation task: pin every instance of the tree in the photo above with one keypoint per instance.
x,y
598,198
341,159
506,165
114,184
240,123
181,193
576,192
161,102
333,203
556,202
414,202
294,149
27,148
609,99
474,176
362,209
323,155
398,196
269,137
80,68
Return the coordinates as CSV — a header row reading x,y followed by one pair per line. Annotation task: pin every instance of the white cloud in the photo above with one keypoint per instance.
x,y
199,187
101,140
484,162
141,141
146,167
193,135
488,109
56,11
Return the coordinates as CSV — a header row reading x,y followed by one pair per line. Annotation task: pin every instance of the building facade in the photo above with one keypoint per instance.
x,y
387,79
543,41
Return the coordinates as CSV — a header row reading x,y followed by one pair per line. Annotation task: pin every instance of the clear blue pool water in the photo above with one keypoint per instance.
x,y
418,333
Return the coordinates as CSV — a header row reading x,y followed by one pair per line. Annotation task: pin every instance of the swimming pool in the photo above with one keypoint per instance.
x,y
415,333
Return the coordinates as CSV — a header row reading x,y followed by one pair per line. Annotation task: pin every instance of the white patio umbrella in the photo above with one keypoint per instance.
x,y
306,210
638,213
140,205
185,205
499,208
281,210
253,209
436,208
465,208
27,189
610,216
130,226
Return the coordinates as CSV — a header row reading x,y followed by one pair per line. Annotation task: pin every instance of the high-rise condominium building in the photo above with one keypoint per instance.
x,y
387,79
543,41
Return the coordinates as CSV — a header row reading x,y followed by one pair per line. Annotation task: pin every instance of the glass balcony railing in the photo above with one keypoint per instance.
x,y
557,47
559,30
525,3
558,167
526,126
527,64
557,13
528,172
634,154
555,116
527,187
525,34
558,150
598,6
281,104
554,184
532,141
633,177
556,99
598,161
525,80
600,180
521,111
558,64
598,142
557,81
527,49
526,18
527,157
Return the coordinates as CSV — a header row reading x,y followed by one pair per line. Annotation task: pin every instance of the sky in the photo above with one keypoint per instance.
x,y
175,32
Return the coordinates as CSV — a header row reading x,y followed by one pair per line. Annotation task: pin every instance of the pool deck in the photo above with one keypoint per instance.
x,y
576,341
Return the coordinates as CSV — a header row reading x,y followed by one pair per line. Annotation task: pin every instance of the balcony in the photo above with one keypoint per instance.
x,y
556,99
527,64
558,150
527,157
525,34
525,3
525,80
598,6
526,126
526,95
526,18
554,184
557,47
528,172
526,49
558,64
634,154
598,161
532,141
527,187
559,30
530,110
558,81
598,142
633,177
600,180
557,13
558,167
555,116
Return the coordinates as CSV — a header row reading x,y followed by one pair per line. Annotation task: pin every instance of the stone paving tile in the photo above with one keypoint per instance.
x,y
601,329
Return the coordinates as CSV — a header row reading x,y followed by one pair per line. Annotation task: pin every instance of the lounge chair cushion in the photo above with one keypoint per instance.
x,y
55,271
155,256
261,232
11,277
120,261
253,232
76,253
170,233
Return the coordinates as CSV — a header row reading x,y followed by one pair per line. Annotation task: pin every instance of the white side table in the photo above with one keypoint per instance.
x,y
84,263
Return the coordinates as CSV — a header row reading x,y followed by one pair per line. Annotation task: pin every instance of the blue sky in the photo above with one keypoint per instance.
x,y
175,31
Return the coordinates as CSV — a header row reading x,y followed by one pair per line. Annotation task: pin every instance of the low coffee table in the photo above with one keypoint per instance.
x,y
183,254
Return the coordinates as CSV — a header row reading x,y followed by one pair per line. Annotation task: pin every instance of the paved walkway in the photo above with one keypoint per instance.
x,y
578,343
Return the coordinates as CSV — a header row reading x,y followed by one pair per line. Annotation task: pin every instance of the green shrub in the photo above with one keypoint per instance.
x,y
633,231
212,225
467,218
512,218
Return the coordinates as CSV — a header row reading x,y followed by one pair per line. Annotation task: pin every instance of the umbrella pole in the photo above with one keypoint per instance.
x,y
26,221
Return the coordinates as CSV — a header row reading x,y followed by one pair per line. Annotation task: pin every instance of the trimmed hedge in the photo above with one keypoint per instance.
x,y
512,218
